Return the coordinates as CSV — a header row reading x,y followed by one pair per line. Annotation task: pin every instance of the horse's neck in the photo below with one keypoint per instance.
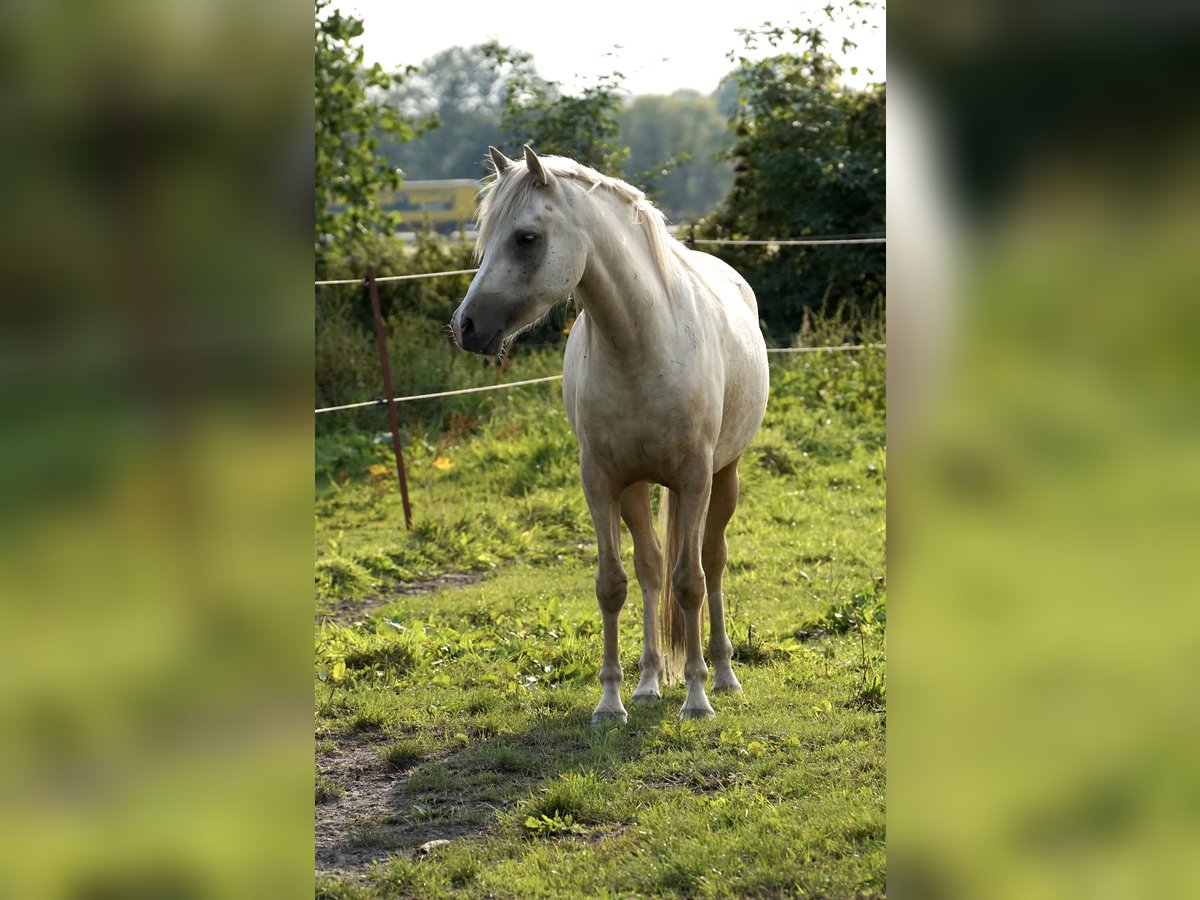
x,y
621,290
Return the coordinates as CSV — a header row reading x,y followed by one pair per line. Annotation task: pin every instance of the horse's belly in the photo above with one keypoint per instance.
x,y
643,428
744,405
644,433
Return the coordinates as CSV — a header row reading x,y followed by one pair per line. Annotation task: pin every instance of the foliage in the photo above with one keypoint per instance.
x,y
326,790
809,159
583,126
673,144
350,171
553,826
460,91
809,156
423,360
493,94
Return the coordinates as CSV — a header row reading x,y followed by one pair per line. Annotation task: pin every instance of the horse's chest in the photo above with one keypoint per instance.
x,y
641,431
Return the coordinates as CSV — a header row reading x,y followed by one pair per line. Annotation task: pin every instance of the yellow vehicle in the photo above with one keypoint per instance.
x,y
448,205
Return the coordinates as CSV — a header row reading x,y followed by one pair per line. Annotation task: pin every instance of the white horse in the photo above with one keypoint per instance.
x,y
664,381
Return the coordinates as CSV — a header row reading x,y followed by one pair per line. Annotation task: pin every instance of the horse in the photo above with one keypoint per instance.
x,y
664,381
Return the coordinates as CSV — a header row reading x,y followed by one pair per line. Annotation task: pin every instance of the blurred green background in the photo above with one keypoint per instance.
x,y
1044,454
155,450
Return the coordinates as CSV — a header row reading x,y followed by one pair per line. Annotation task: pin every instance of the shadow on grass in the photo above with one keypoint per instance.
x,y
392,803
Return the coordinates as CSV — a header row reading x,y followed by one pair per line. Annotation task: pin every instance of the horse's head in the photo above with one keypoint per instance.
x,y
531,255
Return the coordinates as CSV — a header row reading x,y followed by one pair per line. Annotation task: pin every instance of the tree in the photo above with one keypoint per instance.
x,y
584,126
673,144
350,171
459,92
809,157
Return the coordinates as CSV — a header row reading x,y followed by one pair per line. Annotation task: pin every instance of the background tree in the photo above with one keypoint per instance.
x,y
460,93
583,126
673,145
350,169
469,97
809,160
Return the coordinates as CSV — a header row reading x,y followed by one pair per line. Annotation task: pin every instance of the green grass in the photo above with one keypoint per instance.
x,y
466,711
327,790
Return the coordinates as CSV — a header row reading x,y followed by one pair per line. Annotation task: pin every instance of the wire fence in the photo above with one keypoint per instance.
x,y
823,241
474,390
382,278
371,279
371,282
798,242
380,401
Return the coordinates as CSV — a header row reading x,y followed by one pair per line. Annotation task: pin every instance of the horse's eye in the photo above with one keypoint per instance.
x,y
526,238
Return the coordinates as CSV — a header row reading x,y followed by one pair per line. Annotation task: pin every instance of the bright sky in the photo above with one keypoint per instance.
x,y
672,45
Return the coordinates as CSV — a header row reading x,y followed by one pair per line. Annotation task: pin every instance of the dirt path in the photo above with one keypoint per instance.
x,y
378,815
373,818
347,610
383,812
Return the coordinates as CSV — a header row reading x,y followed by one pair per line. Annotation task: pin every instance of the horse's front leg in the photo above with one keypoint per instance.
x,y
647,563
603,498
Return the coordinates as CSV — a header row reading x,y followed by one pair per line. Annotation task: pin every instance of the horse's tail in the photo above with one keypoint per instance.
x,y
670,613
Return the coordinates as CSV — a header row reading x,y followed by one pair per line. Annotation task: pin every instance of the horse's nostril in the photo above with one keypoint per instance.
x,y
467,325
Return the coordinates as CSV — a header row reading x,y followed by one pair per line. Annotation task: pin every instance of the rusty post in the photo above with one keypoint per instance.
x,y
389,394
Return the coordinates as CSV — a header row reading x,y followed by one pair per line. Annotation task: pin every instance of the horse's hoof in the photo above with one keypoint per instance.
x,y
645,698
608,717
699,713
728,685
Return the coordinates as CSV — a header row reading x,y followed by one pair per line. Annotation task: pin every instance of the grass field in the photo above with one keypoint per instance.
x,y
456,668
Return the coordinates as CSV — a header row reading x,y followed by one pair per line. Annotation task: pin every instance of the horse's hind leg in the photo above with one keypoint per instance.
x,y
691,498
715,551
647,563
603,498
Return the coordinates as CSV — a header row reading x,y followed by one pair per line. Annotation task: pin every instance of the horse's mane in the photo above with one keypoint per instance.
x,y
503,197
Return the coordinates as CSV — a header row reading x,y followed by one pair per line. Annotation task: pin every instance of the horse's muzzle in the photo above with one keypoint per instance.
x,y
485,341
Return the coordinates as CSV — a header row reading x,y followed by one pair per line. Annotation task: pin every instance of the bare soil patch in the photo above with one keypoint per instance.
x,y
347,609
384,812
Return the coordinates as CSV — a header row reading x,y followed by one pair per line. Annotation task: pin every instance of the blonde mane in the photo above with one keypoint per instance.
x,y
502,198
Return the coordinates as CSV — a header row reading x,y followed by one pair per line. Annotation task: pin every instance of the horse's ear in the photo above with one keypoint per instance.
x,y
535,166
499,160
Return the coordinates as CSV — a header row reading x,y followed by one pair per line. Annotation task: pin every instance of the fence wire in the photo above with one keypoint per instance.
x,y
379,279
379,401
797,242
817,241
790,242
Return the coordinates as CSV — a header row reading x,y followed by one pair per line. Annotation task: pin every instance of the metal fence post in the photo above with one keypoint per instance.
x,y
389,394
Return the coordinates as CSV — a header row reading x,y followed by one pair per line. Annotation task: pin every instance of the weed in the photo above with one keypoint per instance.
x,y
368,720
553,826
329,888
368,836
327,789
582,797
460,864
342,577
433,777
402,754
507,759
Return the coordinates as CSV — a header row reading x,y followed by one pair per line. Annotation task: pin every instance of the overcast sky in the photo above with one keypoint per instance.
x,y
674,45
